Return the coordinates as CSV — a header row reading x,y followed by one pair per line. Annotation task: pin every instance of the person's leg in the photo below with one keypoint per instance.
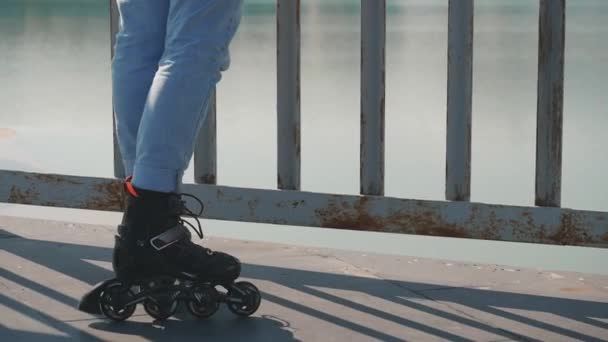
x,y
196,51
140,43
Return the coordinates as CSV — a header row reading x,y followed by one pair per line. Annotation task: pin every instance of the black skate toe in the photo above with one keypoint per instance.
x,y
224,267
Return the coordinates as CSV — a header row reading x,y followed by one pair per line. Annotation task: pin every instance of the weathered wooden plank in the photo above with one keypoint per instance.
x,y
549,133
373,72
370,213
288,94
459,103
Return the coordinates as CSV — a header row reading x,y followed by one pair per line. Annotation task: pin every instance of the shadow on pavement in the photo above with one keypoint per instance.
x,y
69,259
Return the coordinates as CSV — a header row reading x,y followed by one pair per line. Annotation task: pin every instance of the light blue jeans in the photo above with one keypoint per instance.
x,y
169,56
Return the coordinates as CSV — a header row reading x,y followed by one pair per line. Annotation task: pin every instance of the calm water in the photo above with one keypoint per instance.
x,y
55,114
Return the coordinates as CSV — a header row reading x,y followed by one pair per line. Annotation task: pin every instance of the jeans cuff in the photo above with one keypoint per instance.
x,y
155,179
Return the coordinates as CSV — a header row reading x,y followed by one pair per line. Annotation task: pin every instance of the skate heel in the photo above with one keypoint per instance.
x,y
89,302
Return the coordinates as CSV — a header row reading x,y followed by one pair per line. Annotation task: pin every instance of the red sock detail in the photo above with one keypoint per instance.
x,y
130,188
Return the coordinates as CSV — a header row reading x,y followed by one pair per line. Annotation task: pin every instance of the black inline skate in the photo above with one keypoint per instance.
x,y
158,265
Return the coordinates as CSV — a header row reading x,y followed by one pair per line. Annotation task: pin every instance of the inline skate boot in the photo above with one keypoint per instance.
x,y
157,264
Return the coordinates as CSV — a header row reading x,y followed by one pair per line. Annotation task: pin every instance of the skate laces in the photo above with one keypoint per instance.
x,y
190,213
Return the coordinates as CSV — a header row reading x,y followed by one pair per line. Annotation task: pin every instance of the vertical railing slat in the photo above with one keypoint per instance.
x,y
205,152
119,171
373,47
550,102
459,100
288,94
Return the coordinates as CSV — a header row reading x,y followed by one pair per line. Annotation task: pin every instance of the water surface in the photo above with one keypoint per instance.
x,y
56,110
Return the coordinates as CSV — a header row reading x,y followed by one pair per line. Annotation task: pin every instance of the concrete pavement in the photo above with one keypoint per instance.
x,y
309,295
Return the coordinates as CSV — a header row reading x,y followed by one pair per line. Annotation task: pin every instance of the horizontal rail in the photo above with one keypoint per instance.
x,y
369,213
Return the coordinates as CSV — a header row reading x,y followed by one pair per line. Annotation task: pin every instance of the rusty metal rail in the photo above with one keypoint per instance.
x,y
372,213
288,95
373,60
457,217
551,46
460,98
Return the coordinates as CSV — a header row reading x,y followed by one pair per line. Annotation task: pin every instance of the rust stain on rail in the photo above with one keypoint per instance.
x,y
571,231
492,230
51,179
19,196
108,196
208,178
343,215
525,228
358,215
429,224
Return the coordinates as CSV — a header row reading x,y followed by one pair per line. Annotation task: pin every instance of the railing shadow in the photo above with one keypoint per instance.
x,y
69,258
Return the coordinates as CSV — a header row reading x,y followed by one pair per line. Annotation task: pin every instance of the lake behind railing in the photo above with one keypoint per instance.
x,y
56,105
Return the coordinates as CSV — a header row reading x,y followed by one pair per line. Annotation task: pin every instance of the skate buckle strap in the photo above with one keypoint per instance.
x,y
169,237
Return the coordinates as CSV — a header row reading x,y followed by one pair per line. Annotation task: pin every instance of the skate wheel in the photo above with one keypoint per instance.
x,y
159,310
203,310
205,303
111,301
250,296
